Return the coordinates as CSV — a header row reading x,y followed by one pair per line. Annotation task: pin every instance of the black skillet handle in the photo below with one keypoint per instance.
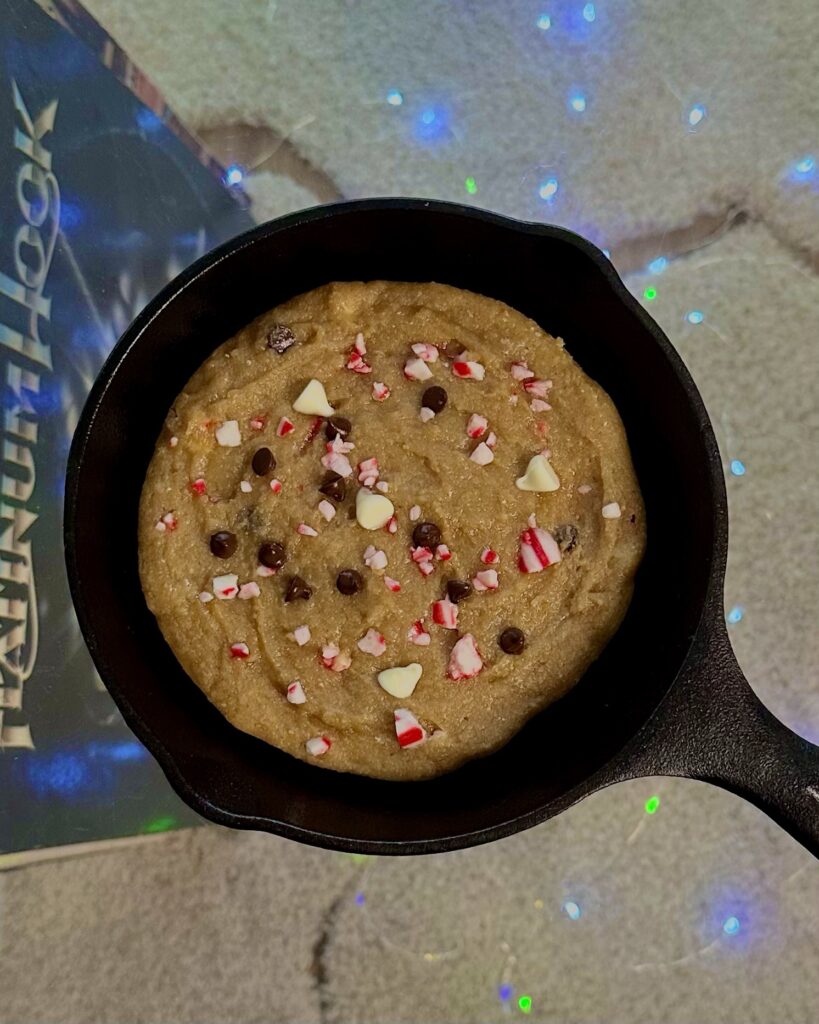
x,y
712,727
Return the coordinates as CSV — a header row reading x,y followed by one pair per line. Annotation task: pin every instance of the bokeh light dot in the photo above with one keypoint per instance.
x,y
504,993
359,899
589,12
695,316
737,467
731,925
652,804
234,174
735,614
650,294
696,115
549,189
544,23
658,266
525,1004
572,910
427,116
395,98
471,185
806,165
577,102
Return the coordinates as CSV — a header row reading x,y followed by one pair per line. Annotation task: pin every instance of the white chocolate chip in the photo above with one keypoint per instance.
x,y
539,476
611,511
228,434
401,680
313,400
372,511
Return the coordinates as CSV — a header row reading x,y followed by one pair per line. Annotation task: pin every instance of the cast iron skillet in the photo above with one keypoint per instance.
x,y
666,698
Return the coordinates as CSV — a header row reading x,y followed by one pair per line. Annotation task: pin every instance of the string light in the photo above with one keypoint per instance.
x,y
525,1004
395,98
577,102
650,294
731,925
737,467
806,165
544,23
658,266
695,316
696,115
549,189
652,804
735,614
589,12
471,185
571,910
234,174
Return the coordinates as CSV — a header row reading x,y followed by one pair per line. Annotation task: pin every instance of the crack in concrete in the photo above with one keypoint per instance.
x,y
318,965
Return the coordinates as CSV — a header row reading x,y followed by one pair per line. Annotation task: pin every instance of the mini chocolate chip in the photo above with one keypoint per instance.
x,y
334,486
426,535
512,640
272,554
453,349
263,461
280,338
349,581
337,426
223,544
632,518
297,589
434,398
566,537
457,590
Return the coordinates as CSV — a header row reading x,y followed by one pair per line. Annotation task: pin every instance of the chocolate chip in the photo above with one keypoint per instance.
x,y
223,543
297,590
566,537
263,461
632,518
349,581
337,426
453,349
426,535
334,486
434,398
280,338
458,590
272,554
512,640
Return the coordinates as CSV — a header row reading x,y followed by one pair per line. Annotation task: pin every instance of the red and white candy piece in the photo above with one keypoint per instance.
x,y
400,681
489,557
228,434
425,351
367,471
486,579
421,554
295,693
416,634
285,427
240,650
611,510
248,590
417,369
445,613
199,486
318,745
372,643
257,423
483,454
392,525
381,391
465,660
276,486
536,387
466,369
442,553
301,634
226,587
338,444
265,570
538,549
491,440
520,371
327,509
313,400
538,405
408,730
337,463
334,659
375,559
356,361
392,584
173,441
306,531
476,426
168,523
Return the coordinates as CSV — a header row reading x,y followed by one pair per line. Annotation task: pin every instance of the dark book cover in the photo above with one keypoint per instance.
x,y
103,199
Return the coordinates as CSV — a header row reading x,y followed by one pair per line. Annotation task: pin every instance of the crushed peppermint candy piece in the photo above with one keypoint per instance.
x,y
392,525
338,444
306,531
415,513
408,730
372,511
169,522
295,693
159,525
539,476
382,486
483,454
226,587
337,463
426,568
276,486
486,579
334,659
368,471
228,434
465,660
611,511
240,650
313,400
416,634
421,554
425,414
514,399
520,371
429,353
257,423
327,509
476,427
328,653
417,369
442,553
392,584
265,570
248,590
374,559
205,596
312,431
318,745
401,680
538,549
357,363
372,643
359,345
245,486
301,634
445,613
489,557
538,388
380,391
199,486
174,441
538,405
285,427
491,440
584,489
468,370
